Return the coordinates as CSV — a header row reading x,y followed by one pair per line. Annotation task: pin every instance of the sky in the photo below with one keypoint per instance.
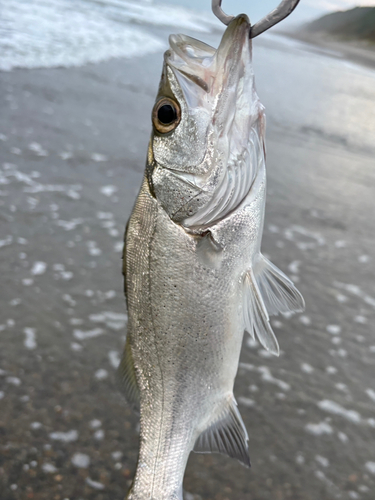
x,y
307,10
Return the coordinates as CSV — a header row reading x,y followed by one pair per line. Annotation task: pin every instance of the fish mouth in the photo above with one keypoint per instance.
x,y
202,69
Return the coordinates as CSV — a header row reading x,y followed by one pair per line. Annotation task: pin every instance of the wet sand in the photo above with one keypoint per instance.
x,y
73,146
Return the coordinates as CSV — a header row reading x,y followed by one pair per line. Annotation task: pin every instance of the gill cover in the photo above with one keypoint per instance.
x,y
203,167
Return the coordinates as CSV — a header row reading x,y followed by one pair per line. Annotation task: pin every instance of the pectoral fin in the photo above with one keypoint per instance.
x,y
277,290
255,315
226,435
267,291
127,379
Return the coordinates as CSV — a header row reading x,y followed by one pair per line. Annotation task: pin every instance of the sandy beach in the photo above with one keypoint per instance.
x,y
72,152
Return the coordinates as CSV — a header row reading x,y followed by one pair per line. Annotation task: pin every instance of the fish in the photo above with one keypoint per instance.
x,y
195,277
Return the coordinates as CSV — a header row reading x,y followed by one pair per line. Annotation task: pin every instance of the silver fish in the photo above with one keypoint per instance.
x,y
195,278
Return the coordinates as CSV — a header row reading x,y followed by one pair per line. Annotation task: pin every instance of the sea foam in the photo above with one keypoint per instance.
x,y
62,33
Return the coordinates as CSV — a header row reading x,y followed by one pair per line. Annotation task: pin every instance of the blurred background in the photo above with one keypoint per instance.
x,y
78,81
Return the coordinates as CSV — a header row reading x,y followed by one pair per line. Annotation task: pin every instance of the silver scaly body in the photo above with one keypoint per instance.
x,y
195,278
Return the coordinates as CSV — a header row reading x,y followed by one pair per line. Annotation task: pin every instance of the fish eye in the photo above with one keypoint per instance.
x,y
166,115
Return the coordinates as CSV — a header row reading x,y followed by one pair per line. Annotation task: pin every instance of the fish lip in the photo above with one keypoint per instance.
x,y
179,59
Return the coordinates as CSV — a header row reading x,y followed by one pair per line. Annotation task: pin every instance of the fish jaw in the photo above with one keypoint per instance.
x,y
219,110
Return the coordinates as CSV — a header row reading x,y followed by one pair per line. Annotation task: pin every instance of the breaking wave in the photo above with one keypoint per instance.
x,y
54,33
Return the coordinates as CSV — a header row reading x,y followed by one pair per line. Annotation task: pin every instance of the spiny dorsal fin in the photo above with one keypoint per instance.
x,y
255,315
227,435
127,379
277,290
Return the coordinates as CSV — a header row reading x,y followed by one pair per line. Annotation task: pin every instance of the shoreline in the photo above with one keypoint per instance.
x,y
354,51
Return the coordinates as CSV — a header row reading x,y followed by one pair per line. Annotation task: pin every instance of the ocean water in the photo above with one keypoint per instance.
x,y
335,97
63,33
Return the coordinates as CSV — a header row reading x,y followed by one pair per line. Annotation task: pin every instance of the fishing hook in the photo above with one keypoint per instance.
x,y
285,8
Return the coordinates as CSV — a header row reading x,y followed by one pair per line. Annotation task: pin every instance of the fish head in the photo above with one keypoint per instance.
x,y
208,127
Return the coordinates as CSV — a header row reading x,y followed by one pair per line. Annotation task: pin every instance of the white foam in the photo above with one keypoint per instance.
x,y
94,484
36,187
104,215
305,367
68,225
66,437
99,434
276,324
343,437
246,401
76,347
333,329
311,239
37,149
300,459
340,244
89,334
38,268
370,466
36,425
354,495
336,409
93,249
101,374
13,380
49,468
7,241
268,377
98,157
319,429
371,394
35,34
81,460
114,358
115,321
341,298
305,320
355,290
322,460
363,259
30,341
116,455
108,190
294,266
118,247
95,424
360,319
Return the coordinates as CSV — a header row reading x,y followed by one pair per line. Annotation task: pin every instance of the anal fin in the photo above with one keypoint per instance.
x,y
227,435
127,379
277,290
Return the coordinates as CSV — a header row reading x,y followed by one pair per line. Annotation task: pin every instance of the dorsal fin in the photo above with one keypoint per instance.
x,y
127,379
226,434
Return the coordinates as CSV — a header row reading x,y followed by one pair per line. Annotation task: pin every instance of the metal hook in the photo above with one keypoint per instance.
x,y
285,8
